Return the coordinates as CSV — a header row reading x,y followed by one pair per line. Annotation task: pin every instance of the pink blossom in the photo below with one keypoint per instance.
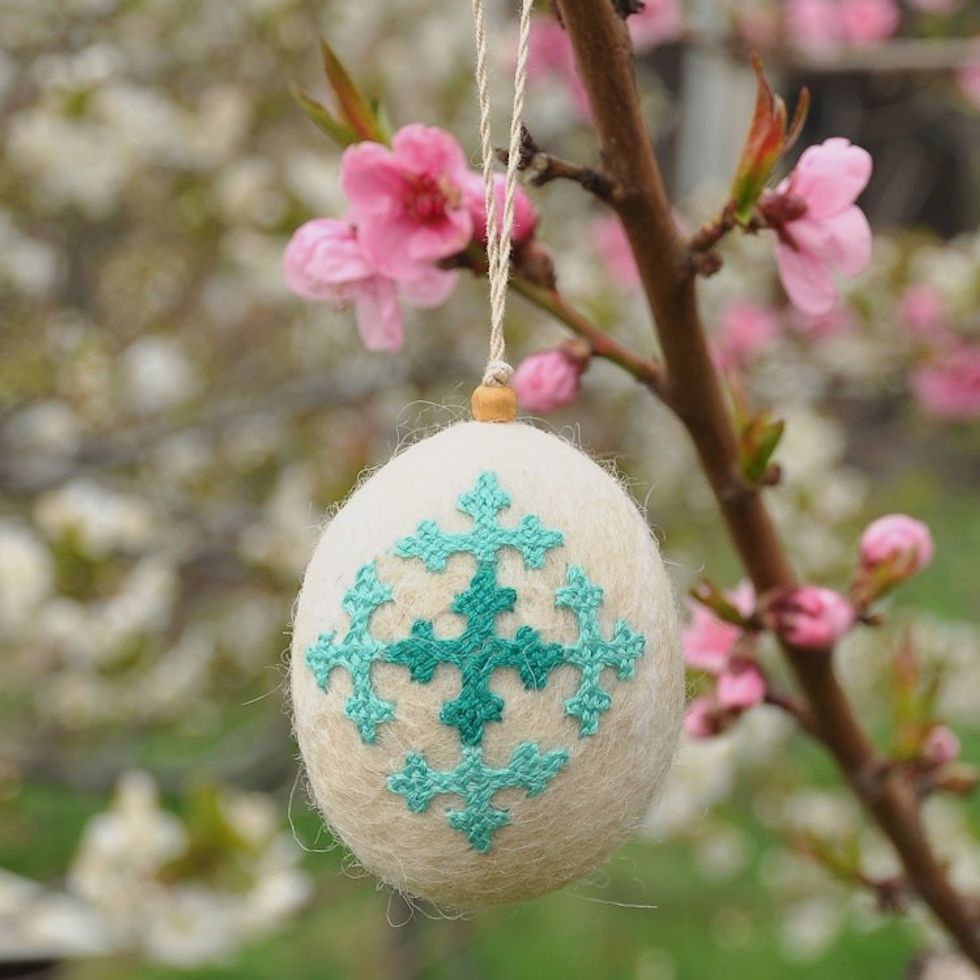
x,y
811,617
940,746
949,387
705,717
408,200
525,217
707,641
864,22
325,261
968,78
615,252
550,55
812,24
657,22
923,311
821,24
744,330
547,380
832,232
740,685
896,539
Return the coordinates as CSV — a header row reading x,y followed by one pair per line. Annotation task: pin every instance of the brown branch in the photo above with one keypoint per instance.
x,y
604,60
793,707
542,168
647,371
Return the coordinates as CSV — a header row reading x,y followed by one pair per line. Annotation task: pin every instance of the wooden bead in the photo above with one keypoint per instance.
x,y
494,404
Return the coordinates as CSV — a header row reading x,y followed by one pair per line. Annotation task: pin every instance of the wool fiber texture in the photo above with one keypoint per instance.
x,y
484,723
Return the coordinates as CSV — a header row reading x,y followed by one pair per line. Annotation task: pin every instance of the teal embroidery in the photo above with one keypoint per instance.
x,y
358,651
592,653
483,503
476,653
476,783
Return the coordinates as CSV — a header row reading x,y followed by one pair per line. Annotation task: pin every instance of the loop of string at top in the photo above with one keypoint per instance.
x,y
498,371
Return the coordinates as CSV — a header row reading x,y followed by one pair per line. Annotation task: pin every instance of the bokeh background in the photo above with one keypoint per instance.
x,y
174,426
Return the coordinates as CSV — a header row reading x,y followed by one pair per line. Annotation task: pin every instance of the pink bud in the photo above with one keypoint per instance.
x,y
948,386
547,380
705,717
940,746
475,196
811,617
898,540
741,685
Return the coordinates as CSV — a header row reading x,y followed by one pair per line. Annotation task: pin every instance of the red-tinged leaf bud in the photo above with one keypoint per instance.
x,y
768,139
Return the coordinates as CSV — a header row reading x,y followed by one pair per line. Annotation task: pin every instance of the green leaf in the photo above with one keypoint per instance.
x,y
338,131
759,441
354,109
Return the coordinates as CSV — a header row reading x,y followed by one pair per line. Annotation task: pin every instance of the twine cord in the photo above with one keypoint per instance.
x,y
498,372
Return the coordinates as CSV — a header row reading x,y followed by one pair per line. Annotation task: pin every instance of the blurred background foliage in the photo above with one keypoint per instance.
x,y
174,425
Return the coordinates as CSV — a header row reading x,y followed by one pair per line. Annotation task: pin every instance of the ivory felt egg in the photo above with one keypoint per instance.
x,y
486,676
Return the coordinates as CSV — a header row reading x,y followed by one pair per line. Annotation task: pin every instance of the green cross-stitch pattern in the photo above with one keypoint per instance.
x,y
476,653
591,653
476,783
483,503
358,651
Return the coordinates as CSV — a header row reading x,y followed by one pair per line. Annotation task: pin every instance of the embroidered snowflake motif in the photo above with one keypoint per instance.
x,y
358,651
476,653
529,768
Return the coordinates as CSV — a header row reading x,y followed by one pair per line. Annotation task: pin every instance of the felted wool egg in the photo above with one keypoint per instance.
x,y
486,676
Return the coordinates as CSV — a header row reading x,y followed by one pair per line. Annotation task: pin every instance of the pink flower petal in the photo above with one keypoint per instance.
x,y
431,151
850,234
806,279
430,288
831,176
707,641
387,244
741,686
371,178
439,240
323,258
379,319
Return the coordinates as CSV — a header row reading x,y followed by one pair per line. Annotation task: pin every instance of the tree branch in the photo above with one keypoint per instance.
x,y
603,57
646,370
542,168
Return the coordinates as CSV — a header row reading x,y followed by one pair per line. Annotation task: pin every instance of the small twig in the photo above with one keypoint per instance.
x,y
542,167
794,707
705,261
646,370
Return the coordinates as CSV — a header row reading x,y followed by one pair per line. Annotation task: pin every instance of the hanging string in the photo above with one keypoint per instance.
x,y
498,372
